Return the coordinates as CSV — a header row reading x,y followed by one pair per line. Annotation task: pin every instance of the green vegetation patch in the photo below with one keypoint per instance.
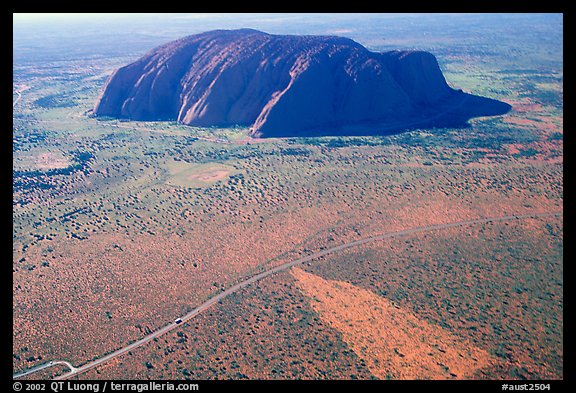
x,y
56,101
184,174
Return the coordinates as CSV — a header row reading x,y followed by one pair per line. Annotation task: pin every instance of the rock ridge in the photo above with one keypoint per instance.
x,y
287,85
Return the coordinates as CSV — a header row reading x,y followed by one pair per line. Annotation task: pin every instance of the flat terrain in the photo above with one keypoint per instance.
x,y
121,227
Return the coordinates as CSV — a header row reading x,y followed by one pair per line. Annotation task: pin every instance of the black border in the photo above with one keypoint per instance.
x,y
366,6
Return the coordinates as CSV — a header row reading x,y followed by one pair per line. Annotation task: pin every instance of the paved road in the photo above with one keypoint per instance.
x,y
43,366
75,371
17,99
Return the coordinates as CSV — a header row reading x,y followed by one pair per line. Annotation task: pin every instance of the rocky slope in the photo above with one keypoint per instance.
x,y
288,86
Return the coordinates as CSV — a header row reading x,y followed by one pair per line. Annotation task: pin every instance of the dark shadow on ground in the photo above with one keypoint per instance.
x,y
472,106
453,112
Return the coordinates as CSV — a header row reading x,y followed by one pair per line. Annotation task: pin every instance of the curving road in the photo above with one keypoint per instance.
x,y
43,366
17,99
75,371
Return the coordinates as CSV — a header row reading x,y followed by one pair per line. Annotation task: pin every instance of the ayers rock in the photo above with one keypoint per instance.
x,y
283,85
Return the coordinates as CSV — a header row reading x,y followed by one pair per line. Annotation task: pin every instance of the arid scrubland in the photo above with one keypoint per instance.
x,y
121,227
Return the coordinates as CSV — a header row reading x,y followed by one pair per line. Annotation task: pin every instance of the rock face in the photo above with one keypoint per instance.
x,y
288,86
